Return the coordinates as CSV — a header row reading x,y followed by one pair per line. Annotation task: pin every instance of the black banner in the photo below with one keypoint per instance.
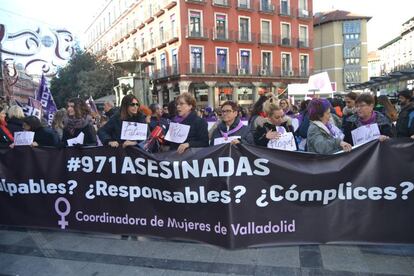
x,y
230,196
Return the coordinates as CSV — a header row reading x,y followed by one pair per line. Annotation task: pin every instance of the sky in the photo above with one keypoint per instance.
x,y
75,15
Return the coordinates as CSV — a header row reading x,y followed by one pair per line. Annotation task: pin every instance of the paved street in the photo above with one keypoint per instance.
x,y
28,252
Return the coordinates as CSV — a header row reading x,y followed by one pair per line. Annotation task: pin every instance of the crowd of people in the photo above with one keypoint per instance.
x,y
323,126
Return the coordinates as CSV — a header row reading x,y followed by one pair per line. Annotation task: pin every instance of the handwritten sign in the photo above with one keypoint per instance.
x,y
224,140
77,140
23,138
286,141
365,134
134,131
177,133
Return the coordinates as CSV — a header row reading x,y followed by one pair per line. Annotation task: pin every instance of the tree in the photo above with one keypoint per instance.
x,y
85,75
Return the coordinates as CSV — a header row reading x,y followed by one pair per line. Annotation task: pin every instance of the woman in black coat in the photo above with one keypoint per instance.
x,y
198,134
110,133
15,118
78,120
44,136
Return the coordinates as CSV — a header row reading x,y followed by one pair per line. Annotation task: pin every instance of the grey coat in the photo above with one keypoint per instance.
x,y
320,140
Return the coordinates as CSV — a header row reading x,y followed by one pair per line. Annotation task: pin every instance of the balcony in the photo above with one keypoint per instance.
x,y
267,39
245,37
219,35
170,5
303,43
288,72
285,42
199,2
244,7
286,11
196,34
267,8
221,3
304,14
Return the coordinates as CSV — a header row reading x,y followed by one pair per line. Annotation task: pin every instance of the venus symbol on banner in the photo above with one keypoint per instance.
x,y
62,222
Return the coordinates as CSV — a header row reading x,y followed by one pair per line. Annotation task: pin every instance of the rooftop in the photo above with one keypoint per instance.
x,y
337,15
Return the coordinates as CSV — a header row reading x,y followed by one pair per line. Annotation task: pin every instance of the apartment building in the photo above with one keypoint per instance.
x,y
341,47
217,49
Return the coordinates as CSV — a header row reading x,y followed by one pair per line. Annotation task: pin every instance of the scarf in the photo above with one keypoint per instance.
x,y
230,132
6,131
179,119
72,124
370,120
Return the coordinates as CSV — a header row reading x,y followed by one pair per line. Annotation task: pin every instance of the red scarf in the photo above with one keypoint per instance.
x,y
3,126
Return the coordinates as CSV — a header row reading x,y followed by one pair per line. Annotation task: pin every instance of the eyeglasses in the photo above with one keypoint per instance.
x,y
227,111
134,104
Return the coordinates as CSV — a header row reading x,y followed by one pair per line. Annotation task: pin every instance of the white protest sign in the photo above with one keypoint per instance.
x,y
177,133
295,123
23,138
134,131
210,125
77,140
320,83
365,134
224,140
244,122
286,141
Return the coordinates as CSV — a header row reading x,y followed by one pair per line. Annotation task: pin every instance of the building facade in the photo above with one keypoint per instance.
x,y
340,40
217,49
374,64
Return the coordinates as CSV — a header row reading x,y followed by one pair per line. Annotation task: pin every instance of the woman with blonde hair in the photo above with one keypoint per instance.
x,y
15,118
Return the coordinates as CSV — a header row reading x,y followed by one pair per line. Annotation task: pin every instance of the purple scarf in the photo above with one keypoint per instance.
x,y
230,132
330,128
370,120
179,119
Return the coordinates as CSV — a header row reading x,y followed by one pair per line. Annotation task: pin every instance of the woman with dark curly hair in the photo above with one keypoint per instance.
x,y
77,120
110,133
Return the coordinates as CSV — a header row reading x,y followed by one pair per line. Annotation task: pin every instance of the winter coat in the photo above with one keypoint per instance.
x,y
88,131
45,136
319,139
354,122
198,134
243,132
405,118
111,131
14,125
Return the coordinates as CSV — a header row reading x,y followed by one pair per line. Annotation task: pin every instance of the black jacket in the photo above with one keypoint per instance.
x,y
88,131
403,129
45,136
354,122
111,131
261,131
14,125
243,132
198,134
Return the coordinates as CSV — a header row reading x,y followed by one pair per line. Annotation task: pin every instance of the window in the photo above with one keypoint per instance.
x,y
142,43
244,29
152,67
303,5
352,27
352,76
286,64
151,38
174,61
265,5
352,51
163,64
266,34
196,59
303,36
266,63
195,24
304,65
245,4
161,33
221,26
221,60
221,2
284,7
352,61
285,34
244,61
172,22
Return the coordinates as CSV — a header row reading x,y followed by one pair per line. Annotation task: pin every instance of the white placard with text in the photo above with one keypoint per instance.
x,y
365,134
134,131
77,140
23,138
224,140
210,125
177,133
286,141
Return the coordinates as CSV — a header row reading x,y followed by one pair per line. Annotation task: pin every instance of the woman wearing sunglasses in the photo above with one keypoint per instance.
x,y
110,133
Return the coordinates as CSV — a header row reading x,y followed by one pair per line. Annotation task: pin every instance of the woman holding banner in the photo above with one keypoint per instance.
x,y
78,121
110,133
231,128
181,136
323,136
273,127
365,116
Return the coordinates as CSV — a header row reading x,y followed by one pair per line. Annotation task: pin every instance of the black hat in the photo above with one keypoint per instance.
x,y
406,94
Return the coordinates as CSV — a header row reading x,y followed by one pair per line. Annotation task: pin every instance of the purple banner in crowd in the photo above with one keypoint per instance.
x,y
44,95
232,196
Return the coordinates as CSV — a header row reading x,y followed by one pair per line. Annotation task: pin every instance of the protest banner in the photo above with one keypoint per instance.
x,y
233,196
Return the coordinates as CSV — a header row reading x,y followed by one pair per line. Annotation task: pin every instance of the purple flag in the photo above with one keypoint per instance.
x,y
91,103
45,97
31,109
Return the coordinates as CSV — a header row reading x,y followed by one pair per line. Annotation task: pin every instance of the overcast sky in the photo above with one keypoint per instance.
x,y
75,15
